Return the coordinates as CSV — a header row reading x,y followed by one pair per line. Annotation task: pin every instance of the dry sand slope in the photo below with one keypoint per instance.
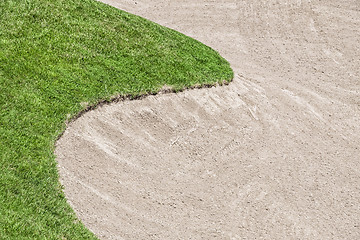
x,y
274,155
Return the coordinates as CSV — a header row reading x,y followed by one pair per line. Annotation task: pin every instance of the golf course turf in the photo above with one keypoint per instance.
x,y
56,59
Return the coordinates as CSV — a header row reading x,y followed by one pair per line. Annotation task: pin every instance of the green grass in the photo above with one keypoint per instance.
x,y
54,55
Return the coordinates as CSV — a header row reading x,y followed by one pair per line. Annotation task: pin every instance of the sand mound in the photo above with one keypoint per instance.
x,y
273,155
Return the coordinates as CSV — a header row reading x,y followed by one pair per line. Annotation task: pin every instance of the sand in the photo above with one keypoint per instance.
x,y
273,155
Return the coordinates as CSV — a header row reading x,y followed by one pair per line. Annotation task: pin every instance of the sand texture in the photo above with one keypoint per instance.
x,y
273,155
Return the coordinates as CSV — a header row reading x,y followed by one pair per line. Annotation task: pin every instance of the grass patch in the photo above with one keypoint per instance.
x,y
55,55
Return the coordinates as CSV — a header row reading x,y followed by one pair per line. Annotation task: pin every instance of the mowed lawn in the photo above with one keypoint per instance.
x,y
56,55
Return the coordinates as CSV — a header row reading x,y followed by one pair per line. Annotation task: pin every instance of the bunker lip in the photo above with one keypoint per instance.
x,y
129,97
273,154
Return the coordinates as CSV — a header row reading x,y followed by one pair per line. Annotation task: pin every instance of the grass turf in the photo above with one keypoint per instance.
x,y
55,55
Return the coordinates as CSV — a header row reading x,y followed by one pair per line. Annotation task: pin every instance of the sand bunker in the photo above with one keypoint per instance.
x,y
274,155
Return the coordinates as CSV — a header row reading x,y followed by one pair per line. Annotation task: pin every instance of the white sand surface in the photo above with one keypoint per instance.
x,y
273,155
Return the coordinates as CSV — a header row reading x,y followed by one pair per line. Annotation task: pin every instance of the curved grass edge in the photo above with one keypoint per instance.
x,y
131,97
